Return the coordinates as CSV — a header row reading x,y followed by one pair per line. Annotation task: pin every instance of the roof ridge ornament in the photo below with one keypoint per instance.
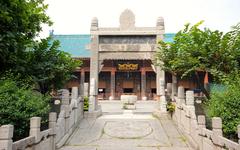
x,y
160,23
94,23
127,20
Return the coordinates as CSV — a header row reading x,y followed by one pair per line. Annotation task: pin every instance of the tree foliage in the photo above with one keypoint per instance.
x,y
195,50
39,62
20,23
225,104
19,104
48,66
28,64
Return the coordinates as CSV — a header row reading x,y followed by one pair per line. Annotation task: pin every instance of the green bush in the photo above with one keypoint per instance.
x,y
226,105
86,103
18,105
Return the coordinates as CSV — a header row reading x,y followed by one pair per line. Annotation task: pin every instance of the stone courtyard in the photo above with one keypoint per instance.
x,y
127,130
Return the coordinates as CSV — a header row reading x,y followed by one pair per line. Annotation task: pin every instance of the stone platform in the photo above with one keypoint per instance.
x,y
127,131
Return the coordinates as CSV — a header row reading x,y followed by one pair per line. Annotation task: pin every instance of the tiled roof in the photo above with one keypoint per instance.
x,y
168,37
75,44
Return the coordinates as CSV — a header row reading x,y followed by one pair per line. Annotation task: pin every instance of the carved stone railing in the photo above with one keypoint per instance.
x,y
59,130
194,127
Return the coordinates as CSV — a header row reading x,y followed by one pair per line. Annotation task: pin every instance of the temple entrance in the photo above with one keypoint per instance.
x,y
128,83
127,77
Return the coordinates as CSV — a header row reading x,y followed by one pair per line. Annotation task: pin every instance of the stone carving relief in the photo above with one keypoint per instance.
x,y
127,20
128,39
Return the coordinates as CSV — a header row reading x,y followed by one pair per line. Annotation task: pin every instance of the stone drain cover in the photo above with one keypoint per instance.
x,y
127,129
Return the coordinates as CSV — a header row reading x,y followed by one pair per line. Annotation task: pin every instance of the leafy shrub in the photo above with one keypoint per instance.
x,y
18,105
86,103
171,108
225,104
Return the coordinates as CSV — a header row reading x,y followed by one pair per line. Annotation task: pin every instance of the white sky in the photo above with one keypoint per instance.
x,y
74,16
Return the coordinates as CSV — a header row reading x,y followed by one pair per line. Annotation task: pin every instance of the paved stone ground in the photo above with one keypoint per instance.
x,y
128,130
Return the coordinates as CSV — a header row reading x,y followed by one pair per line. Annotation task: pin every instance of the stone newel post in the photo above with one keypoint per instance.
x,y
190,109
169,89
217,126
65,107
189,98
179,102
217,131
65,99
6,134
52,120
35,124
202,121
74,93
181,95
202,124
163,102
52,124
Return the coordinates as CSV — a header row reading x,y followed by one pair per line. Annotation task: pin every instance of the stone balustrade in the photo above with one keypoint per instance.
x,y
194,127
59,130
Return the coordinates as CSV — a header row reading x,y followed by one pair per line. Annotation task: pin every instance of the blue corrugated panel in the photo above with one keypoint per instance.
x,y
75,44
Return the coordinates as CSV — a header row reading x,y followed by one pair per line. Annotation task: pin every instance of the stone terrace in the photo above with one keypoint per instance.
x,y
127,130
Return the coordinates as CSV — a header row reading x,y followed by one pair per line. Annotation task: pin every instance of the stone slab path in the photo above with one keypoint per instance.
x,y
127,131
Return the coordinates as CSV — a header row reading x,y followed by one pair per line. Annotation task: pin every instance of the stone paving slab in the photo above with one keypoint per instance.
x,y
127,132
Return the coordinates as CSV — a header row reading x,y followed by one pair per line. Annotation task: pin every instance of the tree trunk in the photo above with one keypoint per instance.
x,y
205,92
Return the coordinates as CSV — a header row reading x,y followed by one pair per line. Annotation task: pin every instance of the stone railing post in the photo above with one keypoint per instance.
x,y
217,126
201,125
65,107
181,95
52,120
65,99
217,131
52,124
75,100
201,121
6,134
179,100
189,98
74,92
35,124
169,89
163,102
189,110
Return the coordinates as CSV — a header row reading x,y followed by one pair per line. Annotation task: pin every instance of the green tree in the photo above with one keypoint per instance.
x,y
49,67
19,104
20,23
225,104
195,50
